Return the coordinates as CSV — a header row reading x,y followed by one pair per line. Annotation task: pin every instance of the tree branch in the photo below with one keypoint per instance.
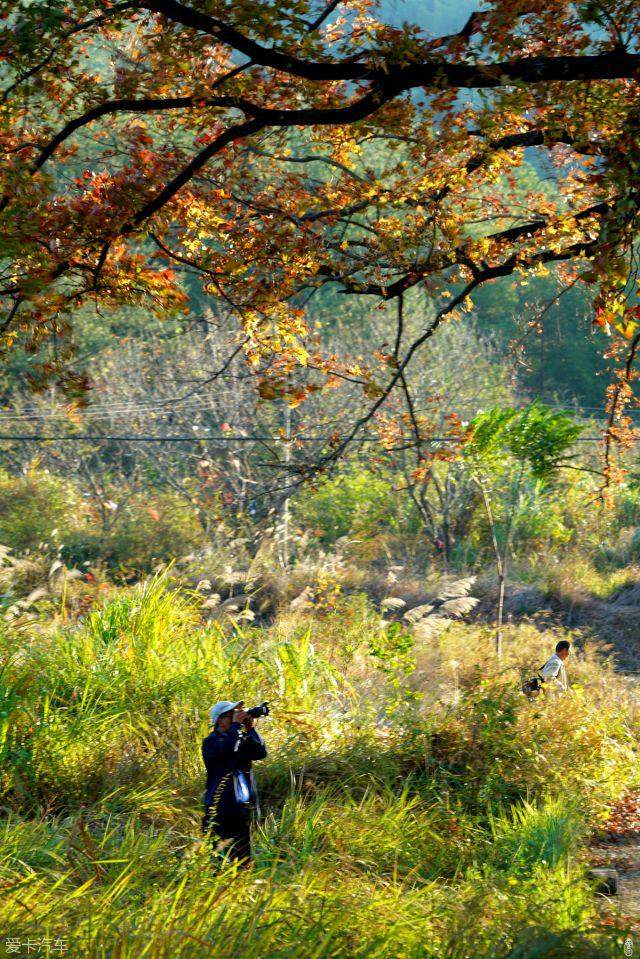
x,y
432,72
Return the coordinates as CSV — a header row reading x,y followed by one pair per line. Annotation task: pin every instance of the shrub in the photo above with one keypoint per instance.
x,y
529,835
148,531
36,508
361,504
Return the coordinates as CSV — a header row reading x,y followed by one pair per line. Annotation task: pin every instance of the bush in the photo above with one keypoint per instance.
x,y
362,505
36,508
530,835
149,531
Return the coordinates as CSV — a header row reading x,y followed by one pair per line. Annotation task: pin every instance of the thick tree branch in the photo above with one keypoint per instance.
x,y
124,105
432,72
259,54
460,256
238,131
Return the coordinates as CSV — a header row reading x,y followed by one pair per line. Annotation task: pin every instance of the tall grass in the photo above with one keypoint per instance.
x,y
442,830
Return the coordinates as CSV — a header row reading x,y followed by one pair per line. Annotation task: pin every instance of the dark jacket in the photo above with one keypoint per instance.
x,y
224,754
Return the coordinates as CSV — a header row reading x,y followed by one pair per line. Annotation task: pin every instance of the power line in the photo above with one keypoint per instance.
x,y
148,439
186,439
225,439
104,411
204,404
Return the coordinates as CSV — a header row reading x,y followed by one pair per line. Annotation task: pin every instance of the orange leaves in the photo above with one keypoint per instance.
x,y
273,387
628,327
430,188
624,819
621,432
388,359
432,437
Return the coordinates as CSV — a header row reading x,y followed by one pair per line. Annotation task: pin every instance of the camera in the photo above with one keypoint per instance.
x,y
261,710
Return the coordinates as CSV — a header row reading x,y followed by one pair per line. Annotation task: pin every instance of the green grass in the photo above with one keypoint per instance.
x,y
400,820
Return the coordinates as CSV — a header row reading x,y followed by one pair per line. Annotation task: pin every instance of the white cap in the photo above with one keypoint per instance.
x,y
222,707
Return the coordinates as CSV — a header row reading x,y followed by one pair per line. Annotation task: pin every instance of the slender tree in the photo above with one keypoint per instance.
x,y
505,448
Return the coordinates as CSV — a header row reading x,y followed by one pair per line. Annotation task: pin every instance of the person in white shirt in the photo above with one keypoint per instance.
x,y
554,670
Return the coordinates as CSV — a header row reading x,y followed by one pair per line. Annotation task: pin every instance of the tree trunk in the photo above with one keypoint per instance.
x,y
286,511
502,579
500,565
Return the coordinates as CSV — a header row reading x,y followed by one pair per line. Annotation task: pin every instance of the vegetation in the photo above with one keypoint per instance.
x,y
255,164
509,443
302,316
439,816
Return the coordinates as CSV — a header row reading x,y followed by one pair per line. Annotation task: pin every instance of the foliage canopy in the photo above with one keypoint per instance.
x,y
146,140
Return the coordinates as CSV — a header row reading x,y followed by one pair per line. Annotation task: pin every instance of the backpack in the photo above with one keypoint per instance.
x,y
533,687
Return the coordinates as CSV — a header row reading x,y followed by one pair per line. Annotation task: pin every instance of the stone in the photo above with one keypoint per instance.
x,y
606,881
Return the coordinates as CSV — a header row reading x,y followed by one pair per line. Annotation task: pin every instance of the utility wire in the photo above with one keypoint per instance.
x,y
108,413
223,439
186,439
109,410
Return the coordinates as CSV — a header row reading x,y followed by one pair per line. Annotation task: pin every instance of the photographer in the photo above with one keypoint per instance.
x,y
231,794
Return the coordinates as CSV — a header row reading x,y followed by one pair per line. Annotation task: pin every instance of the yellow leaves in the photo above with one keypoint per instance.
x,y
200,218
372,391
628,322
280,331
482,246
192,245
73,412
233,267
612,312
628,328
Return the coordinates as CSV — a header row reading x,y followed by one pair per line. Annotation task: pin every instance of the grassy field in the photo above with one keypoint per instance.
x,y
414,803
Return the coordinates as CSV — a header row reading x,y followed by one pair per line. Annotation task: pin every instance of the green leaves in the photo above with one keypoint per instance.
x,y
35,20
536,436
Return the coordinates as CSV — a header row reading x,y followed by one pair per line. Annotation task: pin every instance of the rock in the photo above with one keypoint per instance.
x,y
303,601
233,607
606,881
